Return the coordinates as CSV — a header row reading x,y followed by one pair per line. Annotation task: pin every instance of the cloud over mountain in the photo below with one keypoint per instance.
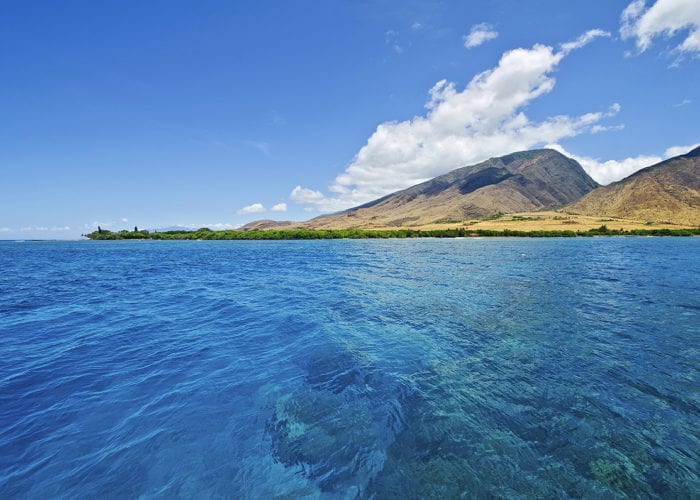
x,y
484,119
609,171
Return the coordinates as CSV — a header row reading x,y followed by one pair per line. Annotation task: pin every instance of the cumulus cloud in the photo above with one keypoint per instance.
x,y
680,150
5,229
605,172
460,127
255,208
280,207
664,18
479,34
124,219
305,195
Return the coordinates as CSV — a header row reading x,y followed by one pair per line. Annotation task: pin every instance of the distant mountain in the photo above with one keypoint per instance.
x,y
666,192
265,224
519,182
171,228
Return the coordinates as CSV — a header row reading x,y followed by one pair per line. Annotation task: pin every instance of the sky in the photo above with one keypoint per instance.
x,y
216,113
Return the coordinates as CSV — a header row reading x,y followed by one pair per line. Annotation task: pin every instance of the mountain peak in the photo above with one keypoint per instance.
x,y
524,181
668,192
693,153
528,154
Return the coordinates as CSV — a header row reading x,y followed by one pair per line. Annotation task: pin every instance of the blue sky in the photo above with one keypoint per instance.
x,y
215,113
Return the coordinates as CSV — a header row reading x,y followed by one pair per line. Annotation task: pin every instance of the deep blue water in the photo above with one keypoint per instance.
x,y
387,369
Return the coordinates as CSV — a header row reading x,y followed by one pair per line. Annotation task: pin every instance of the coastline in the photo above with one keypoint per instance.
x,y
330,234
548,224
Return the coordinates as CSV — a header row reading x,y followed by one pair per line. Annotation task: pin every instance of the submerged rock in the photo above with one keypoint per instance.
x,y
338,426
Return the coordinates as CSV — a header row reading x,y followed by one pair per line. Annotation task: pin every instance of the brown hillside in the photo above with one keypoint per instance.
x,y
519,182
666,192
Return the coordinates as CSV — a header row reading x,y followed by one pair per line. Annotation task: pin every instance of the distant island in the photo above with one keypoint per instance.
x,y
539,193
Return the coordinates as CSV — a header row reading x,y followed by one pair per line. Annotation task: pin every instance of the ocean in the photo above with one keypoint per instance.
x,y
431,368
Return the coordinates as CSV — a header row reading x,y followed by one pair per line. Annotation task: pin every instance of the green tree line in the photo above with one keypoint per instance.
x,y
329,234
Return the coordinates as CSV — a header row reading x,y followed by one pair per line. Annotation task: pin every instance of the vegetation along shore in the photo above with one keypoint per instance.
x,y
329,234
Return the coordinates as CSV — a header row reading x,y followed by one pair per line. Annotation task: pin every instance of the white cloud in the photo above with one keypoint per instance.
x,y
680,150
416,26
5,229
219,226
459,128
584,39
665,18
124,219
305,195
280,207
605,128
605,172
479,34
316,200
255,208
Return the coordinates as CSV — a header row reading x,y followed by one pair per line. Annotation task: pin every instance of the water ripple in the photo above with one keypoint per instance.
x,y
324,369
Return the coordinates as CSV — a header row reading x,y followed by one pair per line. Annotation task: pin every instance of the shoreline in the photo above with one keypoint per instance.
x,y
331,234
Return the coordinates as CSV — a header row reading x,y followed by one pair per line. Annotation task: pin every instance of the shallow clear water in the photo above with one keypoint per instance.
x,y
392,368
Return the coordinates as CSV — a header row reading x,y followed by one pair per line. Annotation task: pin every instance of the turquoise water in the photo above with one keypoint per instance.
x,y
341,369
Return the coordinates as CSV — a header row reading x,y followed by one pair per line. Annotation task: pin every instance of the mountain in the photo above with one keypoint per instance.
x,y
170,228
265,224
519,182
666,192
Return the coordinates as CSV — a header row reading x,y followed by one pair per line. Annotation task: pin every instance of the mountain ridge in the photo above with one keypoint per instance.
x,y
526,182
517,182
667,191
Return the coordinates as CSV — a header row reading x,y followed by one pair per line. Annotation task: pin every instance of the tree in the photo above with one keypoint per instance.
x,y
136,229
